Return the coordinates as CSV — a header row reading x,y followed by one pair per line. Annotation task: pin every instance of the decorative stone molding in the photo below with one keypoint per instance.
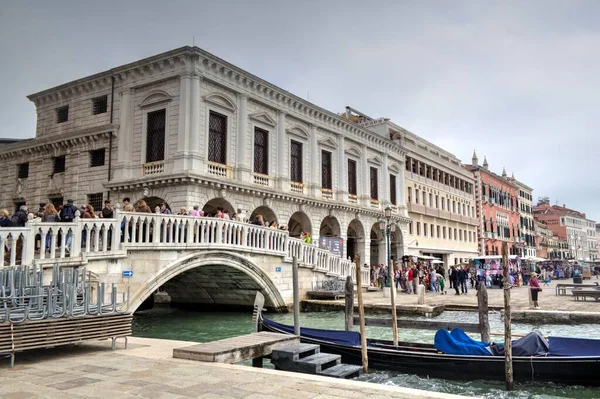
x,y
328,142
220,100
375,160
155,97
264,118
299,131
354,151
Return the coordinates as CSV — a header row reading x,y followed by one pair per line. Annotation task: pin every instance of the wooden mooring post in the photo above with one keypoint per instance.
x,y
508,366
482,307
349,297
296,294
361,313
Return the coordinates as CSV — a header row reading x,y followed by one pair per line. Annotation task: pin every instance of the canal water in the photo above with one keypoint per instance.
x,y
170,323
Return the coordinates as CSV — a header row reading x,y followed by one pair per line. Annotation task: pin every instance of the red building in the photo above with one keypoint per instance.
x,y
497,210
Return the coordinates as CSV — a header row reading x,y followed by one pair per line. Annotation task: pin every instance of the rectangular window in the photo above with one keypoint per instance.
x,y
416,196
155,136
456,261
58,164
438,231
352,177
296,162
424,229
393,189
261,151
23,170
97,157
57,201
409,195
464,209
431,230
443,204
454,206
374,184
62,114
326,170
460,235
444,232
449,233
99,105
431,200
95,200
418,228
410,230
217,138
455,236
437,202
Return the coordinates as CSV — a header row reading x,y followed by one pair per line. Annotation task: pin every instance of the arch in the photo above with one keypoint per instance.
x,y
210,208
267,213
299,131
330,227
355,240
397,244
189,270
153,202
298,223
377,245
155,97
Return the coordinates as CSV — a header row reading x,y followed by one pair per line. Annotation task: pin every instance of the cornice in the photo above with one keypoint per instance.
x,y
192,178
53,143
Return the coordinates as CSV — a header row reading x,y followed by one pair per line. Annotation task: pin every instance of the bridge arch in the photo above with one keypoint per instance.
x,y
210,208
212,277
267,213
298,223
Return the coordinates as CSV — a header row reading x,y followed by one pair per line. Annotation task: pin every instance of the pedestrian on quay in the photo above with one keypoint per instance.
x,y
462,279
534,289
454,279
441,283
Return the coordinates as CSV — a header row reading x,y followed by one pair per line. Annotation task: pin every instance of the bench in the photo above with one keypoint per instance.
x,y
584,294
561,289
52,332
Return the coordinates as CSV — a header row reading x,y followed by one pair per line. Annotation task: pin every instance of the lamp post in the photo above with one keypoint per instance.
x,y
388,227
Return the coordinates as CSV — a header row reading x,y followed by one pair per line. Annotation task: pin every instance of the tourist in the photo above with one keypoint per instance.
x,y
182,212
164,210
273,225
67,214
225,215
409,280
462,279
307,237
415,280
20,217
142,207
441,283
127,205
107,212
5,219
259,221
454,279
50,215
534,289
196,211
382,276
397,274
433,281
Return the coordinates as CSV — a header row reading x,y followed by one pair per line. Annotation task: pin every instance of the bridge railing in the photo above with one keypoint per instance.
x,y
54,242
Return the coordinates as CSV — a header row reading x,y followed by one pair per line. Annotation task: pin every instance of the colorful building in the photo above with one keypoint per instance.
x,y
497,210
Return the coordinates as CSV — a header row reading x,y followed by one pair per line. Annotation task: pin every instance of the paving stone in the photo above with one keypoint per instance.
x,y
70,384
20,395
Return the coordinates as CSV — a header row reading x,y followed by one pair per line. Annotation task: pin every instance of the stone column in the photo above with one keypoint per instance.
x,y
125,137
242,165
400,186
283,181
365,195
342,188
314,183
183,131
385,182
194,133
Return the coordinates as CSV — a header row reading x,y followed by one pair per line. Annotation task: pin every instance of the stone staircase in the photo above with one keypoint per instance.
x,y
308,359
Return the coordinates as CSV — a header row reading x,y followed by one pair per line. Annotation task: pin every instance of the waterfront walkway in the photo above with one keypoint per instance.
x,y
147,370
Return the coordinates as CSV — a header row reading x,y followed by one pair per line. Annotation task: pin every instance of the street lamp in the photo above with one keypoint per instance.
x,y
387,226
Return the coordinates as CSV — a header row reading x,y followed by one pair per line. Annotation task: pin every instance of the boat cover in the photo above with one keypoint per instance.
x,y
340,337
458,343
533,344
561,346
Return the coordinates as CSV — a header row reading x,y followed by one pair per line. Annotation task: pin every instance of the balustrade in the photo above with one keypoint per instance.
x,y
53,242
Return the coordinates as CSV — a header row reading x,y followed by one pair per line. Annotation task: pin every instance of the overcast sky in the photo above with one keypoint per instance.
x,y
517,81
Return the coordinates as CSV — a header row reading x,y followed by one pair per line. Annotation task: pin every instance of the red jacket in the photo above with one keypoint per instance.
x,y
410,275
534,284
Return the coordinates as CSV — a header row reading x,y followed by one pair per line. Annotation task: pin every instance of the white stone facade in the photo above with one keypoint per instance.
x,y
526,240
188,84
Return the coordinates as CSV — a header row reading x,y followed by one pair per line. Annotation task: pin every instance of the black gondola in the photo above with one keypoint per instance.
x,y
426,360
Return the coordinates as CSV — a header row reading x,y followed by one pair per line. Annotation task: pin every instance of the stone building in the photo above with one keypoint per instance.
x,y
526,237
567,224
187,128
497,209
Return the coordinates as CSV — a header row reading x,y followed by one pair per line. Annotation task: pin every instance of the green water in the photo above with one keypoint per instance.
x,y
167,323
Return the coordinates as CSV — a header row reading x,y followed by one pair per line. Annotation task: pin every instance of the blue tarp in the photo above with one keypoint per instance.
x,y
561,346
458,343
339,337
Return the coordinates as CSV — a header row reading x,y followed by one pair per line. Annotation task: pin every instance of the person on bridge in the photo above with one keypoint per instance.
x,y
127,205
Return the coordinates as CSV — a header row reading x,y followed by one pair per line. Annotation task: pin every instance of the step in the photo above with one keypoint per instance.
x,y
342,371
318,362
295,352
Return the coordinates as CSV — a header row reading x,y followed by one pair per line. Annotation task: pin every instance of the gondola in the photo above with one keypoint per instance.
x,y
571,367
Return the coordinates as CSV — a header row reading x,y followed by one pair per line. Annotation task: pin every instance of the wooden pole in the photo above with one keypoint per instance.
x,y
361,314
482,306
349,297
508,366
296,294
392,289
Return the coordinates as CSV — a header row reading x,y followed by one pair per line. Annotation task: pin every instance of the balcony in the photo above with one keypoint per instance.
x,y
431,212
353,198
327,193
416,208
444,214
297,187
374,203
153,168
455,217
261,180
220,170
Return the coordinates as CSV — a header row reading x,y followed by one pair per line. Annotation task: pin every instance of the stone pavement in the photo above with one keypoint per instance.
x,y
147,370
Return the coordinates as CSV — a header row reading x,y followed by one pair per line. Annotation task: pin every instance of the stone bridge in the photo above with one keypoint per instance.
x,y
199,261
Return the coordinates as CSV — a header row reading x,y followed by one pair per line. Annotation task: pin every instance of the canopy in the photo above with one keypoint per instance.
x,y
427,257
437,261
510,257
534,259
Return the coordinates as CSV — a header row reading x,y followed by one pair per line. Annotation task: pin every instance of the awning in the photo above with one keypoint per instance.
x,y
426,257
436,261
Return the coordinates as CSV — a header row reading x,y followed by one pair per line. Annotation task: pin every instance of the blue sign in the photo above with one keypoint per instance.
x,y
278,268
127,273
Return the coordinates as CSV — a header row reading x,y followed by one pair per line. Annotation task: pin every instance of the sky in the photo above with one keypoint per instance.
x,y
517,81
